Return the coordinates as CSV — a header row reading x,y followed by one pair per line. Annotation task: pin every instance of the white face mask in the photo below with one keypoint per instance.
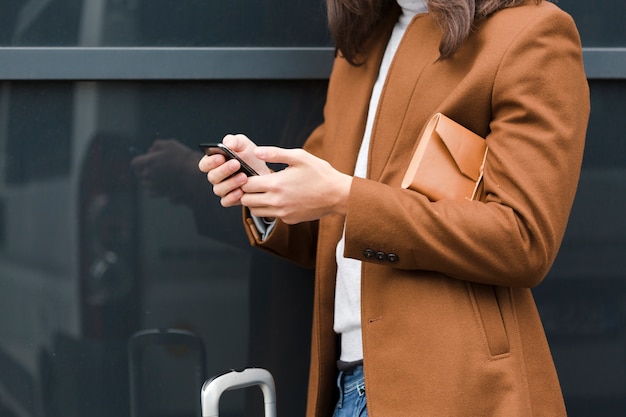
x,y
414,5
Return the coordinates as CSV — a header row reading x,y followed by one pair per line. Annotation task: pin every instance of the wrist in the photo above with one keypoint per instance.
x,y
342,194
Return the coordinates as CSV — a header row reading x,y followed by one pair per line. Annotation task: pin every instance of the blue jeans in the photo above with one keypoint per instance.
x,y
351,402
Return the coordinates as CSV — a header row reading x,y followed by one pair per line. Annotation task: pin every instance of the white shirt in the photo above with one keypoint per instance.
x,y
348,286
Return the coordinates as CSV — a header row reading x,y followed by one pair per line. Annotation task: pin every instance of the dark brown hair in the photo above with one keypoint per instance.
x,y
351,21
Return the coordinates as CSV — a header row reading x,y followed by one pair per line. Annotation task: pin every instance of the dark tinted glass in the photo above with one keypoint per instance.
x,y
221,23
163,23
601,23
582,301
126,284
123,281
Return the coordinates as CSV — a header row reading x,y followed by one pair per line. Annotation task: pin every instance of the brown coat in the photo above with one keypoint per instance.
x,y
451,328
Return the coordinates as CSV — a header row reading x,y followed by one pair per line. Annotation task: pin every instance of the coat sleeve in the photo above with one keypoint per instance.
x,y
539,115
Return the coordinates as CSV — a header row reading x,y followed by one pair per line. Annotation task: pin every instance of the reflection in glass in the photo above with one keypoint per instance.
x,y
197,23
109,231
186,23
105,238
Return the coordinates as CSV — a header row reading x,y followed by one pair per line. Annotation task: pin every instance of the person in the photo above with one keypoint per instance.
x,y
424,308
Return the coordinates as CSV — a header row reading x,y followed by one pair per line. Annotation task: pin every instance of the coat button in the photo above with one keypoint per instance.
x,y
368,253
393,258
381,256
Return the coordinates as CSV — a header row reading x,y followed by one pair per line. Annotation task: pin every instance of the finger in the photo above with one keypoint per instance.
x,y
223,188
224,171
205,164
156,145
210,162
232,199
237,143
258,184
138,161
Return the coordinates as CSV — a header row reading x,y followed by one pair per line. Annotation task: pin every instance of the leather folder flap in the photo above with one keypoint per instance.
x,y
466,148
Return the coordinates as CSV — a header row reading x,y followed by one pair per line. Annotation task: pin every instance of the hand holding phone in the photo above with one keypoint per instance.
x,y
220,148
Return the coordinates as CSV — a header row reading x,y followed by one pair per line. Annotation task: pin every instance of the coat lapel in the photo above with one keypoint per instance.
x,y
355,85
417,50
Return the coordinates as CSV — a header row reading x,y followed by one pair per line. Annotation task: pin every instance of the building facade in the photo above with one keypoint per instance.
x,y
124,284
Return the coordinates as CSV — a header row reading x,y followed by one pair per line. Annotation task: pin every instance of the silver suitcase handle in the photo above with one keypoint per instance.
x,y
213,389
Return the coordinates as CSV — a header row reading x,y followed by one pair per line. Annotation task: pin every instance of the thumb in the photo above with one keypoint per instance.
x,y
273,154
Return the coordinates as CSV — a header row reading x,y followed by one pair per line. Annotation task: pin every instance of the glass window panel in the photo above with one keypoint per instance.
x,y
601,23
128,238
582,300
48,152
221,23
93,252
191,23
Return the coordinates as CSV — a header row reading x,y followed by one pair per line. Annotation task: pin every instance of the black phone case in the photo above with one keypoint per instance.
x,y
214,148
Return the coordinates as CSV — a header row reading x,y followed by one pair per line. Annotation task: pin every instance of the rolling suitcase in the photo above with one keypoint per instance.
x,y
213,389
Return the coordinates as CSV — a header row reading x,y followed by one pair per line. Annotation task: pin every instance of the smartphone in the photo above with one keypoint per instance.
x,y
220,148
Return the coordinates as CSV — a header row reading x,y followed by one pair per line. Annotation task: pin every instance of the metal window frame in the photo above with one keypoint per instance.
x,y
267,63
108,64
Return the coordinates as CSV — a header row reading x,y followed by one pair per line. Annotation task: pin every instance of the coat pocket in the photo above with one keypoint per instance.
x,y
489,318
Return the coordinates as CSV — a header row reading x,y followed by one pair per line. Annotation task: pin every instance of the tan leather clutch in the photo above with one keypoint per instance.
x,y
448,162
